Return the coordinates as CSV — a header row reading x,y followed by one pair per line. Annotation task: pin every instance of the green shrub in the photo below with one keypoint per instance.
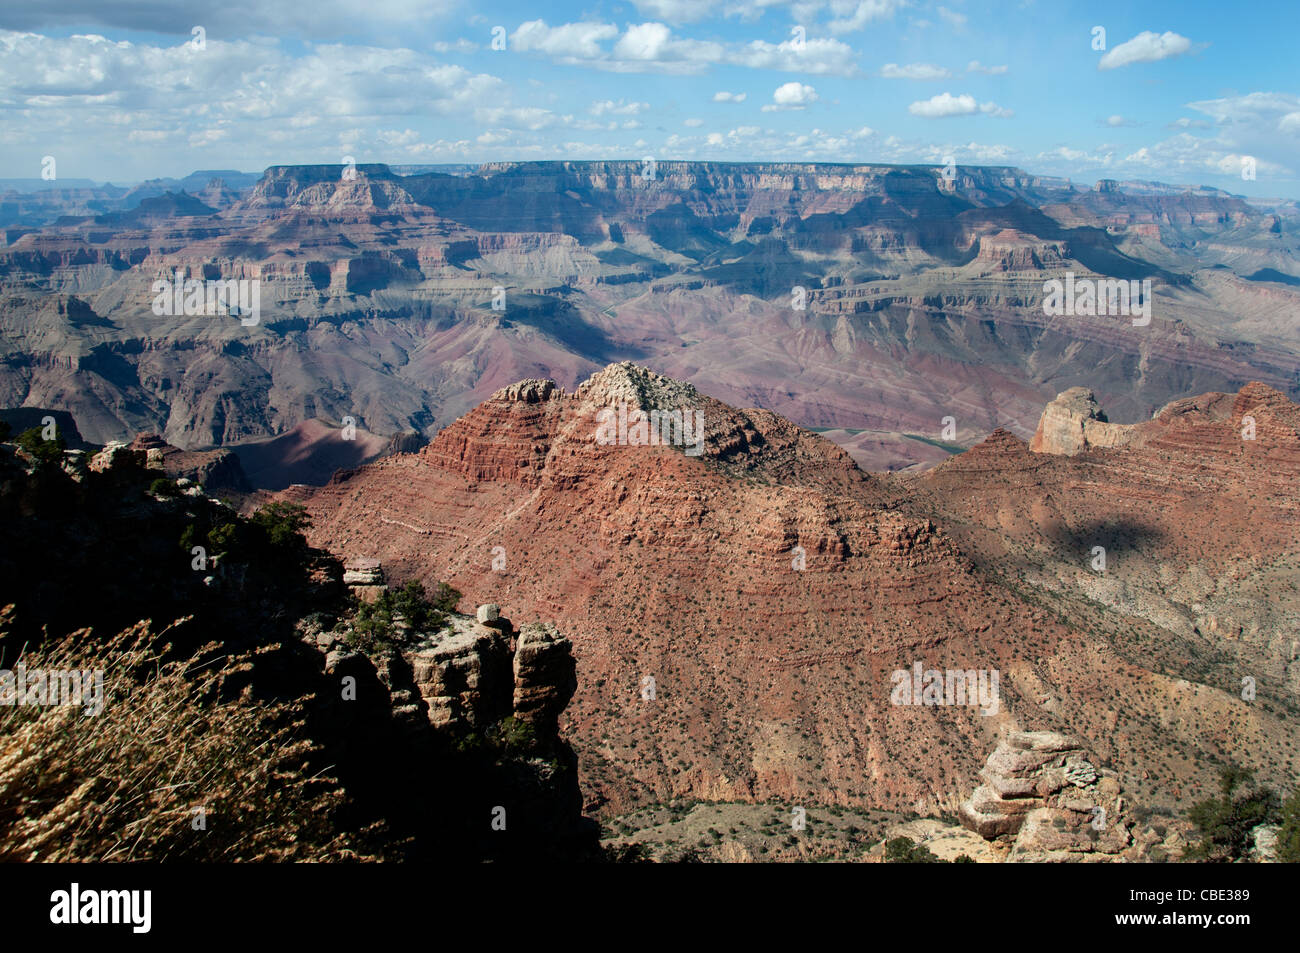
x,y
283,524
382,624
45,451
1225,822
902,850
164,487
1288,838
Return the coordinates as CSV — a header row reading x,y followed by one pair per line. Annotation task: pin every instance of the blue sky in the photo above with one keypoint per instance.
x,y
1183,93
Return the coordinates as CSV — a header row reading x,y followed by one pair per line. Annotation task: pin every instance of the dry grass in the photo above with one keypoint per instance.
x,y
124,785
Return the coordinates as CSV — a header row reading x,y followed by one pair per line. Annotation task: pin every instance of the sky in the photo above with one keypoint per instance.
x,y
1179,92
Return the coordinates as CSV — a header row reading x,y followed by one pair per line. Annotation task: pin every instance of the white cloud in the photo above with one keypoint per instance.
x,y
945,105
1075,159
1187,156
914,71
814,56
692,123
1116,121
792,96
644,41
68,95
652,47
953,17
460,46
620,108
726,97
849,17
576,40
1250,108
975,66
1146,47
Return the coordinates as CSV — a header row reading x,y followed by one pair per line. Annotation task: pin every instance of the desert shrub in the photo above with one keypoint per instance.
x,y
163,487
1225,822
283,524
123,785
902,850
384,623
1288,838
627,854
45,451
516,736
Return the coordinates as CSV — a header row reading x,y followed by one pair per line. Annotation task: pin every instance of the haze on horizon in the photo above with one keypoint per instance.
x,y
136,90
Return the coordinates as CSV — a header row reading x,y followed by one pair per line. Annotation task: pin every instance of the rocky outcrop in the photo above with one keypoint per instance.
x,y
213,470
464,675
1044,793
545,676
472,673
117,456
531,391
626,383
1074,422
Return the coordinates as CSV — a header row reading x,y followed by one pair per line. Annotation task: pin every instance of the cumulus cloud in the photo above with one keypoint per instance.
x,y
945,105
975,66
620,108
913,71
653,47
813,56
569,40
725,97
69,95
792,96
849,17
1249,109
1186,156
1146,47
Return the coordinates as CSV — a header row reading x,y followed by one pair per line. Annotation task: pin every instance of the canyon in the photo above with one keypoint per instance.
x,y
874,303
769,588
743,442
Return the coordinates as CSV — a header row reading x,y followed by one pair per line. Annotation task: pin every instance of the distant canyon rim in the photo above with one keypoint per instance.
x,y
898,311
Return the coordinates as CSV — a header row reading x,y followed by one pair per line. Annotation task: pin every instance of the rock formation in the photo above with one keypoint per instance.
x,y
1042,791
214,470
1074,422
545,676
